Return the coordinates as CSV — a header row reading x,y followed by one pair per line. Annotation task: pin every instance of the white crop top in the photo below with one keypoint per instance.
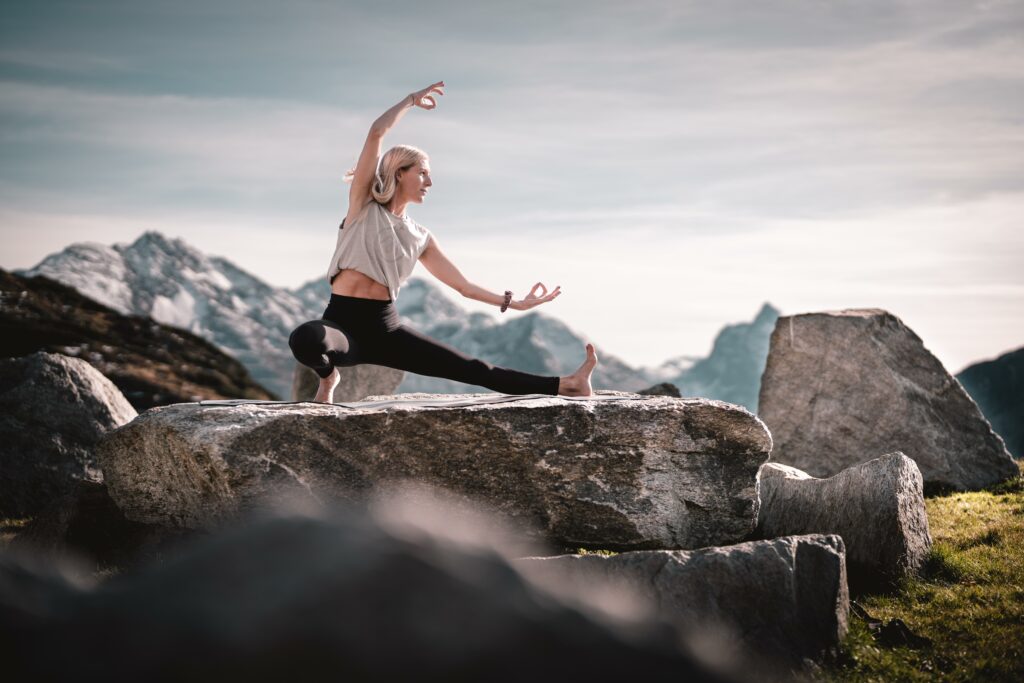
x,y
380,245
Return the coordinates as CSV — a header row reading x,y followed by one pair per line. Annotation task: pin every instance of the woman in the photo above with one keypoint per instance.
x,y
378,246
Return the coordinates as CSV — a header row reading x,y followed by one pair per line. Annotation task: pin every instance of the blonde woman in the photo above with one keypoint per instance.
x,y
378,245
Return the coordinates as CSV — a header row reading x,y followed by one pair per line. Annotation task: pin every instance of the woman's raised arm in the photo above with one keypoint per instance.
x,y
363,175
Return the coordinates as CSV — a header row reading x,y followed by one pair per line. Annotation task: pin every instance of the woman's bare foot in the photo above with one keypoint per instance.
x,y
325,394
578,383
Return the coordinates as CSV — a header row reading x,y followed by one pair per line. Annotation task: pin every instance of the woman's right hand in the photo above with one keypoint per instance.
x,y
421,98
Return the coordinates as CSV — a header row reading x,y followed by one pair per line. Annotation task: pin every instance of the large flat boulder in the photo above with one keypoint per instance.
x,y
616,471
333,597
53,410
785,599
841,387
877,507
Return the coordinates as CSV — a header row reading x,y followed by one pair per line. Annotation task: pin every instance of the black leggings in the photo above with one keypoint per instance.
x,y
354,330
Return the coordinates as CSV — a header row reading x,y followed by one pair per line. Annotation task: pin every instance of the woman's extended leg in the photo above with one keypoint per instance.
x,y
407,349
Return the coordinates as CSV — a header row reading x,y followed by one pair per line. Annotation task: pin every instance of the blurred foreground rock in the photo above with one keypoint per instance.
x,y
85,526
629,473
785,599
877,507
842,384
53,410
338,597
357,382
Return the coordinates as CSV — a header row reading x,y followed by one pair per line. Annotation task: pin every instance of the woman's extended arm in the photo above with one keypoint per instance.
x,y
366,167
435,261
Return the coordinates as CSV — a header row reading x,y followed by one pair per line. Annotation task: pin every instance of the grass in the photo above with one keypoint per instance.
x,y
968,601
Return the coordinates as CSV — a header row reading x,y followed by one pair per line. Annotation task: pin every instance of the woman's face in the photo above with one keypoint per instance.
x,y
414,182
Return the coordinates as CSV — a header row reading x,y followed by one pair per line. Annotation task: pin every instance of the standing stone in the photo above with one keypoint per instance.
x,y
842,384
53,410
784,598
616,470
357,382
877,507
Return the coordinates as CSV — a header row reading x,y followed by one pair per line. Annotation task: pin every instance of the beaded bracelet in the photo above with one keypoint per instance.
x,y
508,300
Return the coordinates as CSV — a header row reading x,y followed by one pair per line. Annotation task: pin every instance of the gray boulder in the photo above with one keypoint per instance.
x,y
785,599
53,410
661,389
616,470
357,382
321,597
877,507
840,384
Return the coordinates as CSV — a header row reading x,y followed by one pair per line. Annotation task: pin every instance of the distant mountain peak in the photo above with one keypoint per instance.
x,y
767,312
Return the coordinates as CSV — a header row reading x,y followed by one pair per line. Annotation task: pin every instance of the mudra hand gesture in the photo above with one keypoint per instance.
x,y
421,98
532,300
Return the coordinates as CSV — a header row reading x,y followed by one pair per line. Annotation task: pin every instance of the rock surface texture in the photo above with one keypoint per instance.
x,y
617,471
877,507
784,598
320,598
357,382
53,410
841,387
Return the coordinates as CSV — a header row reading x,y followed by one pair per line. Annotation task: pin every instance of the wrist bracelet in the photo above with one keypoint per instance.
x,y
508,300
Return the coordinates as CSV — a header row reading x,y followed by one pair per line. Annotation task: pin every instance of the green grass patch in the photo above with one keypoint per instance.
x,y
968,600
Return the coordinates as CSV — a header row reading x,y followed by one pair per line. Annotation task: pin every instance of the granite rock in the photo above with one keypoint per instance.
x,y
876,506
321,597
841,385
785,599
53,410
616,471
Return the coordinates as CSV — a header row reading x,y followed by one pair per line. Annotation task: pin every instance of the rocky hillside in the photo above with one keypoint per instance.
x,y
175,284
151,363
997,386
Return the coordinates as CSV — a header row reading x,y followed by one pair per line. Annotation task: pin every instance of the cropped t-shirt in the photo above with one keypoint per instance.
x,y
381,245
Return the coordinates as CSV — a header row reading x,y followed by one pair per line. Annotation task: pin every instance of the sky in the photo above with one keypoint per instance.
x,y
670,165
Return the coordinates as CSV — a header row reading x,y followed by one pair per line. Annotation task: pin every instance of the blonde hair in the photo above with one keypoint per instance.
x,y
398,158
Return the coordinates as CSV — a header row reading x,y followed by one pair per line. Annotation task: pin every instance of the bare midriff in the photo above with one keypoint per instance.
x,y
353,283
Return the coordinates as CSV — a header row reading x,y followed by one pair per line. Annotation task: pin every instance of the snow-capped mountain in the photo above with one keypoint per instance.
x,y
175,284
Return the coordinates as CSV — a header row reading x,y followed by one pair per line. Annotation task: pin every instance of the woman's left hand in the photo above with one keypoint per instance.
x,y
532,299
